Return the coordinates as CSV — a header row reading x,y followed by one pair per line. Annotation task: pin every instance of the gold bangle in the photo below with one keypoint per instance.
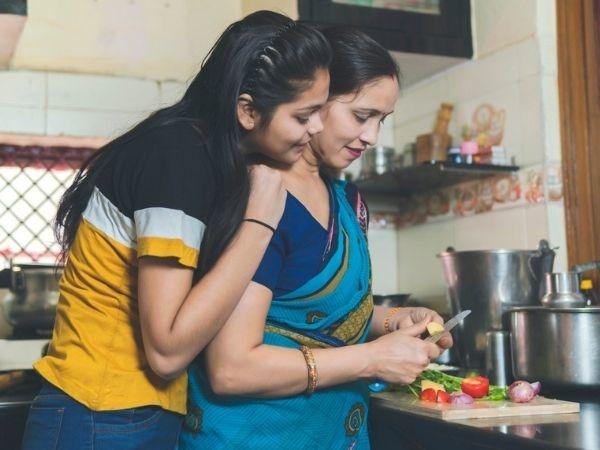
x,y
311,365
388,316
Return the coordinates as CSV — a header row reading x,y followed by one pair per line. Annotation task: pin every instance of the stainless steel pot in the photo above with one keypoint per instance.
x,y
489,282
390,300
558,346
33,295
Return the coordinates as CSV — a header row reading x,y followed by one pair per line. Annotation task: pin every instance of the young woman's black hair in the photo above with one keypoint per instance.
x,y
266,55
357,60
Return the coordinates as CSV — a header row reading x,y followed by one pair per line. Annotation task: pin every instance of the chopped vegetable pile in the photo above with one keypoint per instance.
x,y
435,386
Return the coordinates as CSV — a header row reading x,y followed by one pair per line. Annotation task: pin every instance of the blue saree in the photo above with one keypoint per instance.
x,y
332,309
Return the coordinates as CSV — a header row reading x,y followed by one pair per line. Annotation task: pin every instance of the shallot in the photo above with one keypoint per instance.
x,y
521,392
537,387
459,398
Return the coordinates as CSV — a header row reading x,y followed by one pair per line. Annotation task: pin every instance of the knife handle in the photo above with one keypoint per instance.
x,y
377,386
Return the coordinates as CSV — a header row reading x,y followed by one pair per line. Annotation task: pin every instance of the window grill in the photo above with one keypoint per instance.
x,y
32,180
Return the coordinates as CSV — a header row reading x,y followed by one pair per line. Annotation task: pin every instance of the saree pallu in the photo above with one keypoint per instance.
x,y
332,309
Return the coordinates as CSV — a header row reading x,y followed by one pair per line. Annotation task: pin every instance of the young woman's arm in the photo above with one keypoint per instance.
x,y
240,364
178,320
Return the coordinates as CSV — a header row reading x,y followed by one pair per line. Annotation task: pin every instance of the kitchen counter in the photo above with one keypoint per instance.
x,y
392,428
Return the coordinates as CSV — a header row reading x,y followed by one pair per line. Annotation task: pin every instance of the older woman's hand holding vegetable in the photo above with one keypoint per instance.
x,y
409,316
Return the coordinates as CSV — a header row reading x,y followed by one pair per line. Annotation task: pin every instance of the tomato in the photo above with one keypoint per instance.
x,y
476,387
443,397
428,395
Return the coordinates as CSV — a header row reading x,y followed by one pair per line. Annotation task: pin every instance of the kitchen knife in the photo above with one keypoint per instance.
x,y
449,326
378,386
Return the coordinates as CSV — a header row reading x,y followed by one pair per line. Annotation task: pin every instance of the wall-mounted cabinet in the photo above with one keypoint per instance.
x,y
431,27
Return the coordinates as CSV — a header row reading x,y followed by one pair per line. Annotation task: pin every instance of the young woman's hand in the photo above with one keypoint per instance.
x,y
409,316
400,356
267,195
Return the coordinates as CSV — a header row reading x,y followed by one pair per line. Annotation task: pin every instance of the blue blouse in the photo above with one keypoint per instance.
x,y
300,245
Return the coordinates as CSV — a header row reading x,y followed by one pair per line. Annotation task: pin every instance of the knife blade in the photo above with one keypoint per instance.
x,y
449,326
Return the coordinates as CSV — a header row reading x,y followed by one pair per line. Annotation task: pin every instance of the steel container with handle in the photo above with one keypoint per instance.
x,y
489,283
558,346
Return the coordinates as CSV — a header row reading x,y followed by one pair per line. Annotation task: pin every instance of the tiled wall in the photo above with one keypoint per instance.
x,y
515,70
50,103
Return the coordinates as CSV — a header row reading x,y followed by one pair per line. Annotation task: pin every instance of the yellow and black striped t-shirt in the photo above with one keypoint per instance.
x,y
153,198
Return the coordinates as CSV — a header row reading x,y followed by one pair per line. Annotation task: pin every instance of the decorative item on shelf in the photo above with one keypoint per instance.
x,y
376,160
466,199
554,183
384,220
438,203
433,146
535,187
486,196
467,150
489,121
409,154
454,155
482,139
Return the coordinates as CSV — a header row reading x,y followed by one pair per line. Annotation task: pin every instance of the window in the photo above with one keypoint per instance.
x,y
32,180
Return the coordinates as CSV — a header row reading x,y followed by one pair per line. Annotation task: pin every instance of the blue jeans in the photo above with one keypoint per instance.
x,y
57,422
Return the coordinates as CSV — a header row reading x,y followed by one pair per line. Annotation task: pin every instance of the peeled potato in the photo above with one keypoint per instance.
x,y
434,328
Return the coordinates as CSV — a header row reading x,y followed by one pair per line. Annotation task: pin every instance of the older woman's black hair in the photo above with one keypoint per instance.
x,y
357,60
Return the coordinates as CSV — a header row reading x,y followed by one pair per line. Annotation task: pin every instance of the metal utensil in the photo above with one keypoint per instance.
x,y
558,346
490,282
390,300
563,291
448,326
378,386
32,297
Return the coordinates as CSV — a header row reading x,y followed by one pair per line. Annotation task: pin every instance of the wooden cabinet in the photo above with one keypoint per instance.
x,y
433,27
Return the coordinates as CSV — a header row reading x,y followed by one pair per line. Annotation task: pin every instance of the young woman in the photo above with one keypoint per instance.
x,y
312,292
170,196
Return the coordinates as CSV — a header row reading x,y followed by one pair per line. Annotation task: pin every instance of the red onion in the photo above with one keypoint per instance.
x,y
521,392
459,398
537,387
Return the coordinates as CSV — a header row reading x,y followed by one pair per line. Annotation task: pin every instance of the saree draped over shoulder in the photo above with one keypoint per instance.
x,y
332,309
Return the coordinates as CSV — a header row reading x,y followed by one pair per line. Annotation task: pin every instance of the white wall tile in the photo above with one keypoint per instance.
x,y
548,54
536,219
419,270
551,118
384,260
500,23
557,234
546,18
531,125
408,131
90,123
529,59
93,92
478,77
22,120
23,88
421,100
171,92
496,229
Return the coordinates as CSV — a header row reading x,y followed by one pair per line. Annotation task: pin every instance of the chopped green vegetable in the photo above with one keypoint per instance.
x,y
450,382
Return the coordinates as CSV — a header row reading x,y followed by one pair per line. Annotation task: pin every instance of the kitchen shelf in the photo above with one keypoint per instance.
x,y
428,176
